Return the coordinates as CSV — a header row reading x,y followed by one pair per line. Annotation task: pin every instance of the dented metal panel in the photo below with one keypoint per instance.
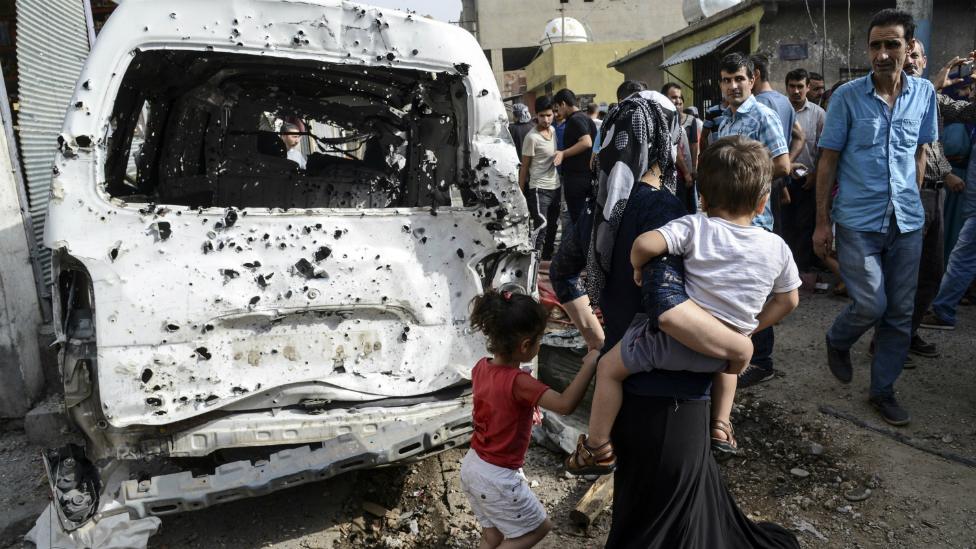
x,y
52,45
407,440
200,309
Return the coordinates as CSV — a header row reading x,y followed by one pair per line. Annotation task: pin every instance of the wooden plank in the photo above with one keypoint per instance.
x,y
593,502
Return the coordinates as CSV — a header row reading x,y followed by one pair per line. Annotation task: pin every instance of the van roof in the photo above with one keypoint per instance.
x,y
333,31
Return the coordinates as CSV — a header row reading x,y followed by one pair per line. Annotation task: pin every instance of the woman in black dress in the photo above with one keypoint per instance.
x,y
668,491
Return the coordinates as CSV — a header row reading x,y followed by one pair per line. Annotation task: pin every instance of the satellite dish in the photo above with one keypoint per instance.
x,y
696,10
563,29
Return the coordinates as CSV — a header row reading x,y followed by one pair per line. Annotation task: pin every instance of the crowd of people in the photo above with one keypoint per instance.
x,y
693,236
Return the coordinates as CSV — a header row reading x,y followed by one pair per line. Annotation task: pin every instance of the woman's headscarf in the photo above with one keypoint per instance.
x,y
636,135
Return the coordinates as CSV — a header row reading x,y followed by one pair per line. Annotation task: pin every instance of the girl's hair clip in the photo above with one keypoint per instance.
x,y
507,295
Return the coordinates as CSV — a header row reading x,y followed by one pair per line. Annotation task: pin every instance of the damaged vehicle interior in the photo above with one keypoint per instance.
x,y
204,129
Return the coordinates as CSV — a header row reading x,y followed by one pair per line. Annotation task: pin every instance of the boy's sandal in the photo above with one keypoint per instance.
x,y
724,447
591,461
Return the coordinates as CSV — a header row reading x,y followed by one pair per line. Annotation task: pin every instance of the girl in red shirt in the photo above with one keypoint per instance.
x,y
505,398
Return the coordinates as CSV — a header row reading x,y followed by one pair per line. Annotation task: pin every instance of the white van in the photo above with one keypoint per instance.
x,y
216,298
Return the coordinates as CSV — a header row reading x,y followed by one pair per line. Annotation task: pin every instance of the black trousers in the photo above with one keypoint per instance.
x,y
576,188
668,491
930,269
544,205
799,220
762,348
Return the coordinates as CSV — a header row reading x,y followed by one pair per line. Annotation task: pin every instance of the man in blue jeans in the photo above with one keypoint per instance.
x,y
962,262
872,146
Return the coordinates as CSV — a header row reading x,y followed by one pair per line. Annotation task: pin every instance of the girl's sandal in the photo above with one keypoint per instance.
x,y
726,447
591,461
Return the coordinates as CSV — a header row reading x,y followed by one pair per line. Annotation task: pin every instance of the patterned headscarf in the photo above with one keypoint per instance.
x,y
636,135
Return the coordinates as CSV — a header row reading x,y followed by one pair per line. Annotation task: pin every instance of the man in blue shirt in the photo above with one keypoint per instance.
x,y
780,104
872,146
773,99
748,117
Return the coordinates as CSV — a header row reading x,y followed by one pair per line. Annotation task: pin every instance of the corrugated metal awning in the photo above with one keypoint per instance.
x,y
703,49
52,45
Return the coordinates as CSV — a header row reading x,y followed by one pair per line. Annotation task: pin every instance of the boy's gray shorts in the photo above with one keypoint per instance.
x,y
644,349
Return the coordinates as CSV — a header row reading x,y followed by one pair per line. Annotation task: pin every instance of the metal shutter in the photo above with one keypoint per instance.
x,y
52,45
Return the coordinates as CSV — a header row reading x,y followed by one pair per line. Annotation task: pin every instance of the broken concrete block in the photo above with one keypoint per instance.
x,y
558,433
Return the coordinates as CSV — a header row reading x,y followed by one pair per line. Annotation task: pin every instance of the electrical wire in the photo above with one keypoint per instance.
x,y
813,29
850,38
813,25
823,50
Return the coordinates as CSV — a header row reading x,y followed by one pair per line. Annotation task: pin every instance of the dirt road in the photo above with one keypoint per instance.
x,y
837,482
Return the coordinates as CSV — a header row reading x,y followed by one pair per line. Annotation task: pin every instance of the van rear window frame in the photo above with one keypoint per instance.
x,y
129,99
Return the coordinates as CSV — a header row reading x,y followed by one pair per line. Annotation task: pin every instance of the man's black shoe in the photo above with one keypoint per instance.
x,y
932,322
839,362
754,375
890,411
921,347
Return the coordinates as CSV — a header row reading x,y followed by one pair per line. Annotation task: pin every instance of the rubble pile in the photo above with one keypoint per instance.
x,y
789,467
789,471
422,505
407,507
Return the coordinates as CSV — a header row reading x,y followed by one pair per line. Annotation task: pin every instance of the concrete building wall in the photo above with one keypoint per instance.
x,y
517,23
21,376
790,24
579,67
541,69
645,68
953,31
954,24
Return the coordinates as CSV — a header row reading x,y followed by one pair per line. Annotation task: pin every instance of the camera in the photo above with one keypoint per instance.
x,y
964,70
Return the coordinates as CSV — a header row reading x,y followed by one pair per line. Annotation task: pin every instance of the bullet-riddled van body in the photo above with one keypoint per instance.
x,y
269,219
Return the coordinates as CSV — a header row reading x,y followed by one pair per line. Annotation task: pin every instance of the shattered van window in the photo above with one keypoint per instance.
x,y
205,129
135,147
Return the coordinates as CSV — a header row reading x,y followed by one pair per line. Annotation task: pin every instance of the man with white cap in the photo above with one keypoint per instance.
x,y
521,127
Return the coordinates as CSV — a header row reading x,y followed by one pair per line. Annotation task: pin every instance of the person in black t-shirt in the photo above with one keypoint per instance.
x,y
574,156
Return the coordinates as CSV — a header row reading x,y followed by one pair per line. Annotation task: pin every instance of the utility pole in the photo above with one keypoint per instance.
x,y
921,10
562,27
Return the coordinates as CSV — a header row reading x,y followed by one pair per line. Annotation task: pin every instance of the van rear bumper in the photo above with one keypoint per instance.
x,y
396,441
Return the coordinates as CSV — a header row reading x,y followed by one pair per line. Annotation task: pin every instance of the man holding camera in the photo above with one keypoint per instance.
x,y
959,272
938,176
